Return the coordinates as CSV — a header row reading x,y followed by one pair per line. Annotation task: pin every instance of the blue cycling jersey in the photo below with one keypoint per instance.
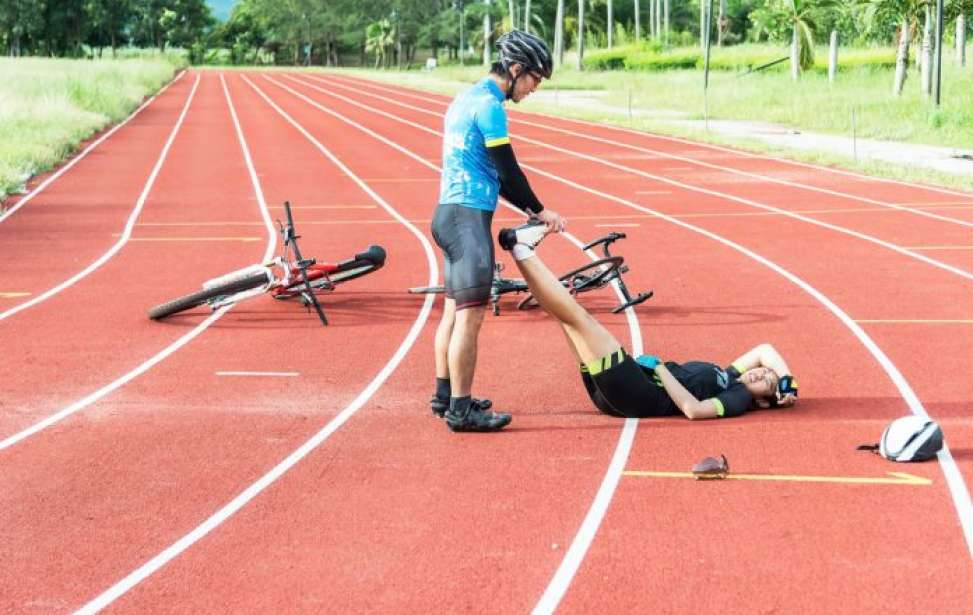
x,y
475,121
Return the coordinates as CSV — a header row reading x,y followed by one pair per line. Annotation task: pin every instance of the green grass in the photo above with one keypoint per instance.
x,y
810,104
49,106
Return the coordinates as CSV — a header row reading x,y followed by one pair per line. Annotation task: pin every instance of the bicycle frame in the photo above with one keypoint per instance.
x,y
295,271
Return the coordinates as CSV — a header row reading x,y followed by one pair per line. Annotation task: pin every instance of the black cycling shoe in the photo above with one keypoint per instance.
x,y
476,419
440,406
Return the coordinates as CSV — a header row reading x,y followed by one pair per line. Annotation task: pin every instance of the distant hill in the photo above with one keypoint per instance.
x,y
221,8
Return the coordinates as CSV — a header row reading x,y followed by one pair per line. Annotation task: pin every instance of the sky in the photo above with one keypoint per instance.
x,y
221,8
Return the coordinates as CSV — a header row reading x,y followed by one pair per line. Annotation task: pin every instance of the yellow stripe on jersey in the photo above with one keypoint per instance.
x,y
497,142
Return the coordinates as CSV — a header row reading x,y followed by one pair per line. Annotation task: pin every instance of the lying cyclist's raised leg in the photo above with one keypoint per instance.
x,y
613,380
589,338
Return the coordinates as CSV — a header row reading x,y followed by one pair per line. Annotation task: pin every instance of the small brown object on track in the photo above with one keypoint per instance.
x,y
711,468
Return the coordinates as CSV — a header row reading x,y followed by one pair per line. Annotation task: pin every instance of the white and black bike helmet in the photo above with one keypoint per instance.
x,y
526,49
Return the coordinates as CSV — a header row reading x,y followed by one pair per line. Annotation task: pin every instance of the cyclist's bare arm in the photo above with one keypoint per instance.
x,y
684,400
763,355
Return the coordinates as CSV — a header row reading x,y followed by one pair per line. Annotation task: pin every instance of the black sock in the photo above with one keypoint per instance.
x,y
442,388
460,406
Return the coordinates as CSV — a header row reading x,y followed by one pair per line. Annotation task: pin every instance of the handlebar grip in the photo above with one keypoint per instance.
x,y
609,238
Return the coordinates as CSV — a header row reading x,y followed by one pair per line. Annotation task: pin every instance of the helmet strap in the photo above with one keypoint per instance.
x,y
513,82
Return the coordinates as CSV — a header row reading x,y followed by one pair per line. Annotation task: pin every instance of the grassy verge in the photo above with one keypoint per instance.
x,y
49,106
810,104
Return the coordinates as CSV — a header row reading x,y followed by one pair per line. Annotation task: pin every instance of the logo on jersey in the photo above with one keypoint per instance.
x,y
721,378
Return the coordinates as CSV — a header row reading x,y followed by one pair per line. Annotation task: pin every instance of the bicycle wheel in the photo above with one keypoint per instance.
x,y
595,274
202,296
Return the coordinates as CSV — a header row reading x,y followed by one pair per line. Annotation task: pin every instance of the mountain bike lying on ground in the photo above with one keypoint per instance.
x,y
286,276
591,276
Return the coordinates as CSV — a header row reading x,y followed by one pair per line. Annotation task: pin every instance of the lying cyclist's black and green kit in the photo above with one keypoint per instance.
x,y
619,386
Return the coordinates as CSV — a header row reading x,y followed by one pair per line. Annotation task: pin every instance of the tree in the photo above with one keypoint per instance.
x,y
877,14
793,17
107,20
580,34
379,37
610,27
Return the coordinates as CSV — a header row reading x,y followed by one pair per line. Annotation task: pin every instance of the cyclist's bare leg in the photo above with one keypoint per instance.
x,y
462,349
443,333
590,339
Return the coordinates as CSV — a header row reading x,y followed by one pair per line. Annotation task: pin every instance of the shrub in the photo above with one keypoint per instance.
x,y
662,61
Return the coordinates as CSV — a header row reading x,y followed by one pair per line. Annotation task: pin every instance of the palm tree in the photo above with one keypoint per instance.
x,y
379,36
925,63
799,16
638,29
559,33
610,24
580,33
527,16
487,28
876,13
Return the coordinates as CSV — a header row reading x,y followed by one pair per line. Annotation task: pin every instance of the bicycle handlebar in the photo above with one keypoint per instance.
x,y
290,239
607,240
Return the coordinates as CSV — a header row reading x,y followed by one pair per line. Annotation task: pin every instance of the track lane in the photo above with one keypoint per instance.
x,y
813,177
377,453
321,594
41,181
782,242
902,229
149,462
103,316
69,225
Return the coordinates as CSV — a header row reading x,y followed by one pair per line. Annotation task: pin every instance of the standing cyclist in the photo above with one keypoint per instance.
x,y
478,166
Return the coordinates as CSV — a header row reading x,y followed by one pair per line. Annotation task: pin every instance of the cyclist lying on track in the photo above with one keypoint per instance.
x,y
647,387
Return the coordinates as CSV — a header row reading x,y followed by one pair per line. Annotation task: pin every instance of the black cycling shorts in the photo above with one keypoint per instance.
x,y
466,240
618,386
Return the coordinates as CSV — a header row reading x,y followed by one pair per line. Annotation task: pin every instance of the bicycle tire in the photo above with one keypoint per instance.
x,y
200,297
596,280
357,271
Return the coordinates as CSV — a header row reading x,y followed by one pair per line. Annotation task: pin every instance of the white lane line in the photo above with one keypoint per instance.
x,y
14,295
156,359
261,374
426,96
653,192
624,225
733,170
599,506
104,258
248,494
834,227
954,479
47,182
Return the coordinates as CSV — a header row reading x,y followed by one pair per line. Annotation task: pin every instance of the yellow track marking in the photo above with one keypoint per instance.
x,y
400,179
925,321
938,247
900,478
300,207
13,295
244,239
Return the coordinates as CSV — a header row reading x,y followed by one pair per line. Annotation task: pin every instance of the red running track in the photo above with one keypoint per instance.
x,y
393,512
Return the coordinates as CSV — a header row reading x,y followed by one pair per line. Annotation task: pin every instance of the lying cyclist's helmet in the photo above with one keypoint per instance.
x,y
518,47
